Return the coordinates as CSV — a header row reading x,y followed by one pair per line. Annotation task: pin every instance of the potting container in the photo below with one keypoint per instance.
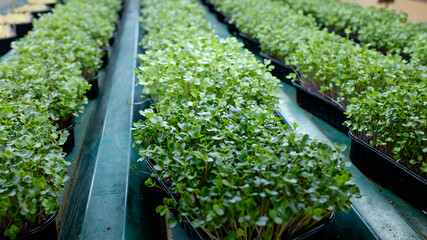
x,y
388,173
282,119
105,57
205,2
70,142
281,71
113,38
210,6
352,37
52,5
314,232
231,27
44,231
220,16
5,44
251,43
94,87
328,111
23,28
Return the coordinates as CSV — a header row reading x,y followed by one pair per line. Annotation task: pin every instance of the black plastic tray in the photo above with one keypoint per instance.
x,y
324,109
105,58
5,44
282,119
231,27
281,71
251,44
219,15
52,5
70,142
389,173
45,231
192,232
314,232
94,87
23,28
210,6
352,37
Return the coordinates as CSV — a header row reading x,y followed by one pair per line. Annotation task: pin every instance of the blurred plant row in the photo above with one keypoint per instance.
x,y
42,90
376,27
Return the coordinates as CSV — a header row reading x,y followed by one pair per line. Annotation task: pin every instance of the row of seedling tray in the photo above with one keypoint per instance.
x,y
52,72
376,165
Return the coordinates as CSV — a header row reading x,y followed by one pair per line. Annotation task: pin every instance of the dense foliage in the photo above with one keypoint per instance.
x,y
377,27
42,88
213,138
399,125
340,71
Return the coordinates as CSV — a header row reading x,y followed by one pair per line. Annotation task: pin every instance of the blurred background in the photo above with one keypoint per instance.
x,y
416,9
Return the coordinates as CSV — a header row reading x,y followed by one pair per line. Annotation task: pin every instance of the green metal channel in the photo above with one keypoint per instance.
x,y
142,220
105,216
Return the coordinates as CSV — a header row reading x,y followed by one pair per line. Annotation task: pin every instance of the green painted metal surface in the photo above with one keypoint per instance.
x,y
105,216
101,202
142,221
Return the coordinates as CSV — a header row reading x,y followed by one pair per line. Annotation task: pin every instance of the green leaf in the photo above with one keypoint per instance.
x,y
218,209
12,232
172,222
149,183
262,221
162,210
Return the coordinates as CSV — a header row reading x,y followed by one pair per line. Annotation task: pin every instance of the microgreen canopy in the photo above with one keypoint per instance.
x,y
213,138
